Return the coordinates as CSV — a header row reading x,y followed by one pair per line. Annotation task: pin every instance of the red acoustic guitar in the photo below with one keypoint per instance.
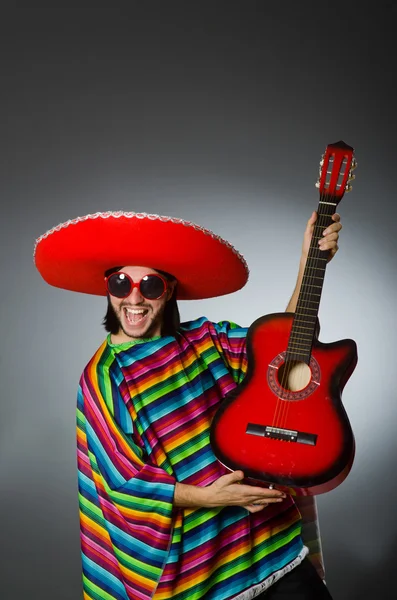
x,y
285,424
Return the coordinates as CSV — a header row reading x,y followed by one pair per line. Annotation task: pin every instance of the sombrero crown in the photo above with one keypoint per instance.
x,y
75,254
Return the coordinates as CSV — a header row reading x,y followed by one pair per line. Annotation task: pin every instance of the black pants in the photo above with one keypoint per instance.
x,y
302,583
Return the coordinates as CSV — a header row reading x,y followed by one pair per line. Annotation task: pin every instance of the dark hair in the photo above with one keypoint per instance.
x,y
171,316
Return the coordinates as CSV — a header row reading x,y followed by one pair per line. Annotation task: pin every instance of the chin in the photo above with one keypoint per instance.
x,y
146,330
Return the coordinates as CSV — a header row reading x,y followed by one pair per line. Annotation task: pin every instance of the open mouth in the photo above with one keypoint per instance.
x,y
135,316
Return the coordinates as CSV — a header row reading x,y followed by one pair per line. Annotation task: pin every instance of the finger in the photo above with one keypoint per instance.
x,y
326,245
331,251
254,508
234,477
259,493
336,217
331,237
335,228
311,221
313,218
269,500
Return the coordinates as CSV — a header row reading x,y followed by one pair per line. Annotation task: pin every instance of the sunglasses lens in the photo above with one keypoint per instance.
x,y
152,287
119,285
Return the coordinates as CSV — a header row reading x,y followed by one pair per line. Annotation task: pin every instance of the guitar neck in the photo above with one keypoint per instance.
x,y
305,321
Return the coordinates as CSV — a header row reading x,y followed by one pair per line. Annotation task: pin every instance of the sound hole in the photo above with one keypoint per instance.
x,y
294,375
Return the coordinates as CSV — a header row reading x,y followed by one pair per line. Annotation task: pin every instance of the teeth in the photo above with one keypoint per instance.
x,y
135,315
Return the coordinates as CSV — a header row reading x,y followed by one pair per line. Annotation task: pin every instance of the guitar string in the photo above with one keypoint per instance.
x,y
287,367
299,341
283,403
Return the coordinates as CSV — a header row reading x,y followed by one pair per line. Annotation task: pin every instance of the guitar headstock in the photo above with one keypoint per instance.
x,y
336,171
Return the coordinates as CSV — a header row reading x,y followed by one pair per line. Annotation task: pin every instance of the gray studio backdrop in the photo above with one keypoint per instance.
x,y
216,113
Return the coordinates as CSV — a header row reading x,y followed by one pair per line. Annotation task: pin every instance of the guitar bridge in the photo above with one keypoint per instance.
x,y
278,433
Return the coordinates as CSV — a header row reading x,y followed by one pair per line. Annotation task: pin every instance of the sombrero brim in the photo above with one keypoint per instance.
x,y
75,254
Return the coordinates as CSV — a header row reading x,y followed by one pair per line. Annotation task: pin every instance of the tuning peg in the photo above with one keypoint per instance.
x,y
348,188
351,176
317,184
353,165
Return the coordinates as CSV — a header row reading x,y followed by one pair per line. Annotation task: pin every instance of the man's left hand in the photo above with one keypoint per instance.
x,y
330,237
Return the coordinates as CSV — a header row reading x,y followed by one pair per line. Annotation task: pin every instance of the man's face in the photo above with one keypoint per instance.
x,y
139,317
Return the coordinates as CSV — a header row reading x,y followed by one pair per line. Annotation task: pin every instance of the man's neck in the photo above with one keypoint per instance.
x,y
122,338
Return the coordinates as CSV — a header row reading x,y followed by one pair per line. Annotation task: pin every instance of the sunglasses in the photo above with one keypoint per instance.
x,y
151,287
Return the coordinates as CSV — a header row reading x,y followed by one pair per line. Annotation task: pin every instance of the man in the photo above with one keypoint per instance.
x,y
160,517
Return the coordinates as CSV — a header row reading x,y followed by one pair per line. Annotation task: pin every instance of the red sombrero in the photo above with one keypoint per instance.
x,y
75,254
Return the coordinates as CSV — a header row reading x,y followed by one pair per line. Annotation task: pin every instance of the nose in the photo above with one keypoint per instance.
x,y
135,296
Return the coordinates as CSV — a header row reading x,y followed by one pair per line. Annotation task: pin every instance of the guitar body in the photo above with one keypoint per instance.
x,y
277,431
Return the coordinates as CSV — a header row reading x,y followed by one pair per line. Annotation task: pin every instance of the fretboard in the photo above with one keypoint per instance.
x,y
305,319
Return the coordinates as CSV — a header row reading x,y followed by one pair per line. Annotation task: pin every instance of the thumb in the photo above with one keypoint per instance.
x,y
312,219
235,476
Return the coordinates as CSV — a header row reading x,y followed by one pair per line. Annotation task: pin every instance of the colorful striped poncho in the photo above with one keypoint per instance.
x,y
143,416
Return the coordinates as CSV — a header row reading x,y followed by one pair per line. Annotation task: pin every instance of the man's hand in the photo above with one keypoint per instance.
x,y
227,491
329,240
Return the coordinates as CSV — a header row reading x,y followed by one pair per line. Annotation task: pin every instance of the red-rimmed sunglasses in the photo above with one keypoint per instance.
x,y
151,286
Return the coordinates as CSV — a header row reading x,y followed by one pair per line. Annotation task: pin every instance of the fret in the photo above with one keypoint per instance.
x,y
303,307
307,301
301,343
308,295
313,293
305,321
306,348
313,272
317,268
301,333
313,258
298,342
